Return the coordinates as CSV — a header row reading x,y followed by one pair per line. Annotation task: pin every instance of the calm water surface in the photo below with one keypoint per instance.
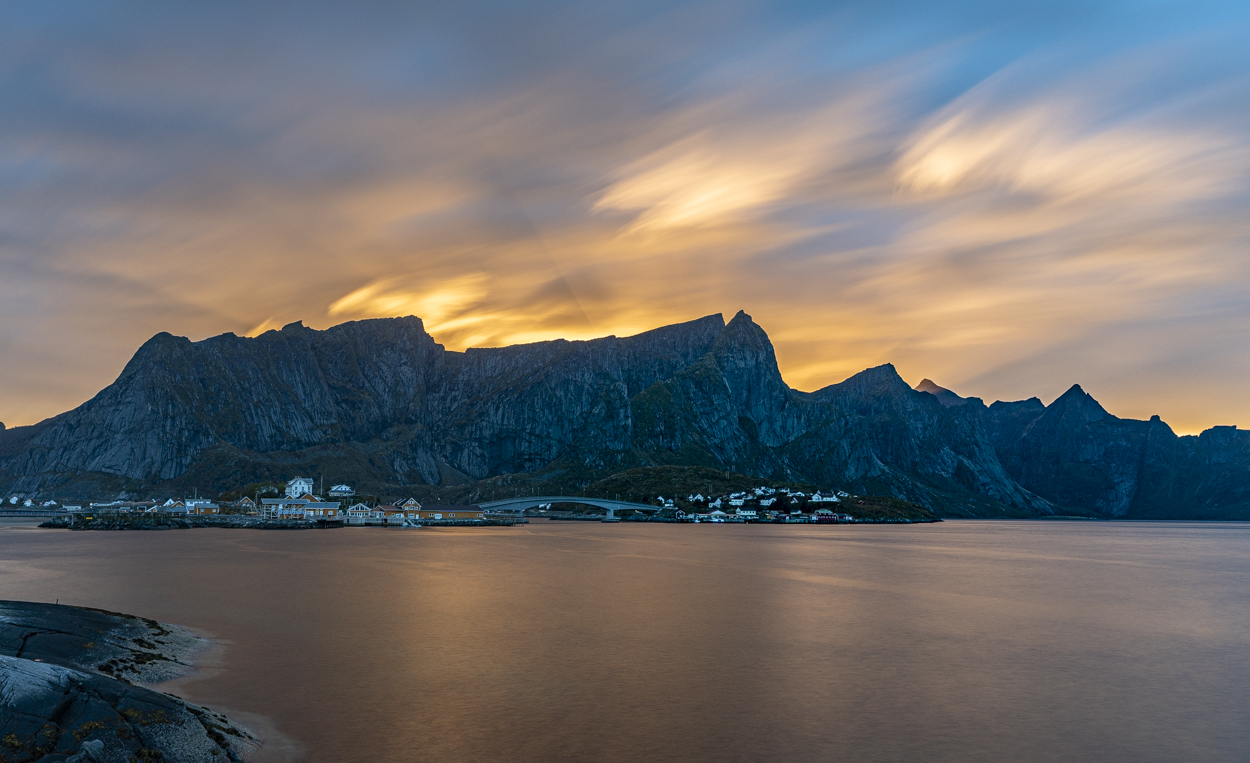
x,y
964,641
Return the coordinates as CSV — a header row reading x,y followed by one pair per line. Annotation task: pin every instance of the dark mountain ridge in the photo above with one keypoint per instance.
x,y
1074,453
381,404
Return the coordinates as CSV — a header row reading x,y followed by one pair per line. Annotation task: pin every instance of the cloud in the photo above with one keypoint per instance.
x,y
1056,152
439,305
692,183
962,191
735,159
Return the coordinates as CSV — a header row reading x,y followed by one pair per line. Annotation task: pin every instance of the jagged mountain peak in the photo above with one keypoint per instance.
x,y
741,326
159,347
945,396
876,381
1078,403
1032,403
883,371
714,323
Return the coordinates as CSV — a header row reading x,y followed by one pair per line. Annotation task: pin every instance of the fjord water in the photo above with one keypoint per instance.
x,y
567,641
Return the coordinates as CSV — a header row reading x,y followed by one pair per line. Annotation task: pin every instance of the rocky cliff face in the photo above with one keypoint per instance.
x,y
873,426
383,390
1077,455
381,404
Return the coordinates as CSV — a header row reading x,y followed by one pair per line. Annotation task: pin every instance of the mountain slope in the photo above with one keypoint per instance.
x,y
381,404
1077,455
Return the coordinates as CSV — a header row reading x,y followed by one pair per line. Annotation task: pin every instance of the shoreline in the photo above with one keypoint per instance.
x,y
272,746
98,672
140,522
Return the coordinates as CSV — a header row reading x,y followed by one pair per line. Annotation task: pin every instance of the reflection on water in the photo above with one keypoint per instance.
x,y
964,641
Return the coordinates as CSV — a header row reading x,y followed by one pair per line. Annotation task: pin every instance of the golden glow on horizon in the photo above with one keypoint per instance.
x,y
440,307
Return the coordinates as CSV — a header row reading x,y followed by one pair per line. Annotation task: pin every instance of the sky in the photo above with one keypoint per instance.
x,y
1006,198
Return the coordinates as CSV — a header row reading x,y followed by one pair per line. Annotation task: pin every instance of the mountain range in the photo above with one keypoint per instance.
x,y
381,404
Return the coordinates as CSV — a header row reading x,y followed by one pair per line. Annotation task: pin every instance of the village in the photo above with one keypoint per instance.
x,y
338,507
297,503
764,504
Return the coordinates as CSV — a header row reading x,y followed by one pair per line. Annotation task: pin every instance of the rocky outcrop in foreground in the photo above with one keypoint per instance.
x,y
70,690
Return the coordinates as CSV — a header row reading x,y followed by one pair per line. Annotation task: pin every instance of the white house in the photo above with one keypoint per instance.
x,y
300,486
299,508
767,501
283,508
736,501
360,513
341,491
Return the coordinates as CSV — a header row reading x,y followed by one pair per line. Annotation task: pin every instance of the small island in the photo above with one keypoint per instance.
x,y
73,687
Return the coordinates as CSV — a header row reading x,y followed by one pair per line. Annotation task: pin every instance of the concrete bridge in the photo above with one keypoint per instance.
x,y
532,502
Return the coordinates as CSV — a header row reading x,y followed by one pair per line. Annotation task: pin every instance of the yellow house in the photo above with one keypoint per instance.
x,y
392,513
